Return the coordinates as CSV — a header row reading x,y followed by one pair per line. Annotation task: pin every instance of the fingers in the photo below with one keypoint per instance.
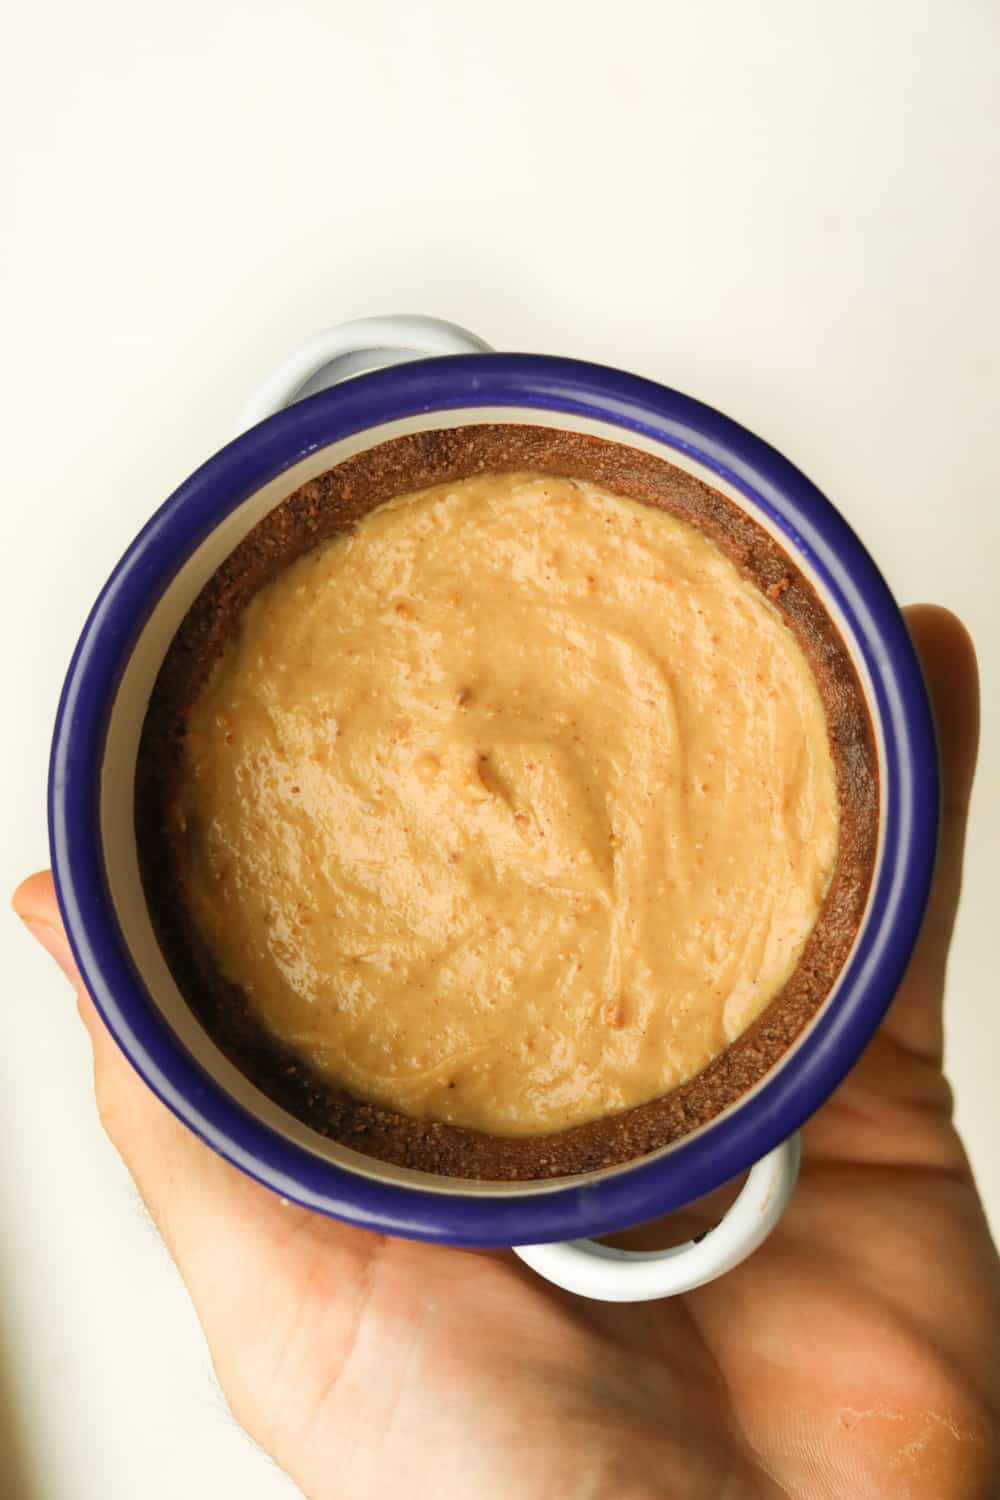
x,y
915,1020
949,662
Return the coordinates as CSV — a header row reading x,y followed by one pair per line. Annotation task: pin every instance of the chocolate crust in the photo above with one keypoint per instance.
x,y
333,503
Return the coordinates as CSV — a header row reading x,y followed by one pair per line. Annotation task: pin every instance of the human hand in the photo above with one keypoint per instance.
x,y
854,1355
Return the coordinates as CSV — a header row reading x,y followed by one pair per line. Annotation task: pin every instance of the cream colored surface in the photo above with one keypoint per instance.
x,y
794,236
511,809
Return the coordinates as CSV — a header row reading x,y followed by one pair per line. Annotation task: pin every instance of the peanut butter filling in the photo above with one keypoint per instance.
x,y
511,809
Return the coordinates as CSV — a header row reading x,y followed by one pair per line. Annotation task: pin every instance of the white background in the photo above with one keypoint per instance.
x,y
787,209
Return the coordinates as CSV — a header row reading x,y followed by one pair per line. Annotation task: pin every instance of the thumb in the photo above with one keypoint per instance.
x,y
35,903
128,1111
182,1183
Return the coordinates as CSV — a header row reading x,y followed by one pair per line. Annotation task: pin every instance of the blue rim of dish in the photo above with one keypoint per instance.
x,y
814,530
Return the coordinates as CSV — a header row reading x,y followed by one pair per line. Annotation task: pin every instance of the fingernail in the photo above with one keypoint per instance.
x,y
54,942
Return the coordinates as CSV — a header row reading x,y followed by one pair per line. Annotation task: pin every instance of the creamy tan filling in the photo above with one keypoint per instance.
x,y
511,809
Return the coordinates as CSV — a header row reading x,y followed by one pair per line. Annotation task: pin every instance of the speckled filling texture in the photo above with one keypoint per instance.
x,y
331,504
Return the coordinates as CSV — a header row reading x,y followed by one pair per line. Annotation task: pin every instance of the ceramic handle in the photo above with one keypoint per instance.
x,y
597,1271
350,349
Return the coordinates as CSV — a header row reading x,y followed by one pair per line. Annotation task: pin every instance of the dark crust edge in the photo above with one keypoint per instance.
x,y
332,503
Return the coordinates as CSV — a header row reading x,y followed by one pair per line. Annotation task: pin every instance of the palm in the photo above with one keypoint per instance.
x,y
838,1360
851,1355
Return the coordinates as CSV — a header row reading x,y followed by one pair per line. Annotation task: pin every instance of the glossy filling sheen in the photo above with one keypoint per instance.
x,y
512,808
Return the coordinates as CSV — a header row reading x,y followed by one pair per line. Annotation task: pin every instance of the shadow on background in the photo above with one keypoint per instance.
x,y
20,1478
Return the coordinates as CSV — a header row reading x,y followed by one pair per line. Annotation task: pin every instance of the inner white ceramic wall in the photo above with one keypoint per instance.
x,y
118,771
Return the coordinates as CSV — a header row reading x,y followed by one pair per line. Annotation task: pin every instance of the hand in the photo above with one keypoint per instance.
x,y
853,1357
